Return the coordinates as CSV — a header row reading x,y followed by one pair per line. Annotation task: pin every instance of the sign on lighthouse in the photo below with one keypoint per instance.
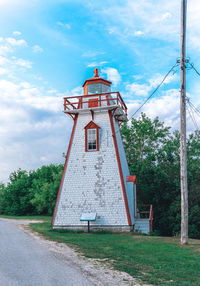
x,y
96,181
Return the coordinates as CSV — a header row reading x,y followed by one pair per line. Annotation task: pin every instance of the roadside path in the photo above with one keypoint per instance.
x,y
24,262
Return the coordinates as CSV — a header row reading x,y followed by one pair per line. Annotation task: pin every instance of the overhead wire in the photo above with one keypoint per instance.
x,y
191,108
192,66
192,111
192,118
196,110
158,86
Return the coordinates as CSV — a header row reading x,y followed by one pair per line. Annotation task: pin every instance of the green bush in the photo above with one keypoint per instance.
x,y
30,193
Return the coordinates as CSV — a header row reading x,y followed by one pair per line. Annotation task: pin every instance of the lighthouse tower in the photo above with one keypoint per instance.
x,y
96,179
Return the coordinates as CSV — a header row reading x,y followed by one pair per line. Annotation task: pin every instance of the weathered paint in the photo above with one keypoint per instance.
x,y
64,170
92,179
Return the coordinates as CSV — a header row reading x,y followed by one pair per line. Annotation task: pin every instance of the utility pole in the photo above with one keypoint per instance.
x,y
183,147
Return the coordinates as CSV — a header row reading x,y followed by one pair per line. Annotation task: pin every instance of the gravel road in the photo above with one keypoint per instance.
x,y
24,262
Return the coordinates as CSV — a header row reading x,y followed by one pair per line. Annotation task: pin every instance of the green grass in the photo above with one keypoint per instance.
x,y
39,217
156,260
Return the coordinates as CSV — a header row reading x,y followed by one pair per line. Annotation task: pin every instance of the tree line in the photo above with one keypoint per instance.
x,y
152,152
31,193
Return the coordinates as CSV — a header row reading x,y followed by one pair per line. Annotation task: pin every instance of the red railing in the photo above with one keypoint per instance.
x,y
145,213
103,99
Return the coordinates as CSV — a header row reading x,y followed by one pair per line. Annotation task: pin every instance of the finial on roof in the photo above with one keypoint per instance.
x,y
96,72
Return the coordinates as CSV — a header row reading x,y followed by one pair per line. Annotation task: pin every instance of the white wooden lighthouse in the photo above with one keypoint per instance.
x,y
96,181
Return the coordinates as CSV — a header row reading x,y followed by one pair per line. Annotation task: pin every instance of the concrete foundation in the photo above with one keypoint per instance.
x,y
115,228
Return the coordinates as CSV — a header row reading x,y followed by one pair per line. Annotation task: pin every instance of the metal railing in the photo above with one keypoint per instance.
x,y
146,214
85,101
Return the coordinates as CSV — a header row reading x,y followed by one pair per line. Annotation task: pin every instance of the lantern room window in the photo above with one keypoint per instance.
x,y
98,88
92,137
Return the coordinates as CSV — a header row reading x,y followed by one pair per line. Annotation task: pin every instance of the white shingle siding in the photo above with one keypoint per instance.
x,y
92,181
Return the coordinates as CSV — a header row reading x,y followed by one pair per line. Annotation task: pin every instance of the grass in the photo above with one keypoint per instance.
x,y
39,217
156,260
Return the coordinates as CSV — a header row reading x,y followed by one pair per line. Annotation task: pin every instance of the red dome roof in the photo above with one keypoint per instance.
x,y
96,79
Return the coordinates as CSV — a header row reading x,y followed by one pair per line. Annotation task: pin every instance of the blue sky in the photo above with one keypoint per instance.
x,y
49,47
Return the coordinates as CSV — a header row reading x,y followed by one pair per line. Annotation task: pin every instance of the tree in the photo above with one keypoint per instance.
x,y
153,155
15,199
45,187
31,192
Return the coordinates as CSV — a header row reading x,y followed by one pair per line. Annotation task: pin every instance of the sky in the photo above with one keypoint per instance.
x,y
49,47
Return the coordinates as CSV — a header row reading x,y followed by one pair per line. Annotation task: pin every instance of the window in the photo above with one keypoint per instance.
x,y
91,139
96,88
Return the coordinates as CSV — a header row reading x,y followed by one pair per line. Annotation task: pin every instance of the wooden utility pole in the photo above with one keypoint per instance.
x,y
183,147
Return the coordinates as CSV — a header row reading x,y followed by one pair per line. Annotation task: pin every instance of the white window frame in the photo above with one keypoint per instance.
x,y
89,139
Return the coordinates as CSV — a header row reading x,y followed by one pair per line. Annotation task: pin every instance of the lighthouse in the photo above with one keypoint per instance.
x,y
96,185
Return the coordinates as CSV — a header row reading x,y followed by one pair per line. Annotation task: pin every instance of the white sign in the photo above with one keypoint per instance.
x,y
88,217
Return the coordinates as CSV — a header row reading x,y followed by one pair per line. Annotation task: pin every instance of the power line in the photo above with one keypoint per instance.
x,y
193,107
192,110
195,119
192,66
175,65
192,117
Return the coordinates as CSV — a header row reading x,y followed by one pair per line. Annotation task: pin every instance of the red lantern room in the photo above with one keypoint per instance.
x,y
96,84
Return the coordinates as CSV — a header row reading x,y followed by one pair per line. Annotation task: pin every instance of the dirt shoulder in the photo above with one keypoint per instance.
x,y
98,271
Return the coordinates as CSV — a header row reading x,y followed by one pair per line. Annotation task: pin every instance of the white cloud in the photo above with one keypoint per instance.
x,y
97,64
157,79
11,3
144,88
112,75
138,89
14,42
3,60
112,30
138,33
74,92
9,65
3,71
43,159
92,54
64,25
166,107
156,19
23,63
137,77
37,49
8,45
166,15
52,91
17,33
193,23
32,126
5,49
